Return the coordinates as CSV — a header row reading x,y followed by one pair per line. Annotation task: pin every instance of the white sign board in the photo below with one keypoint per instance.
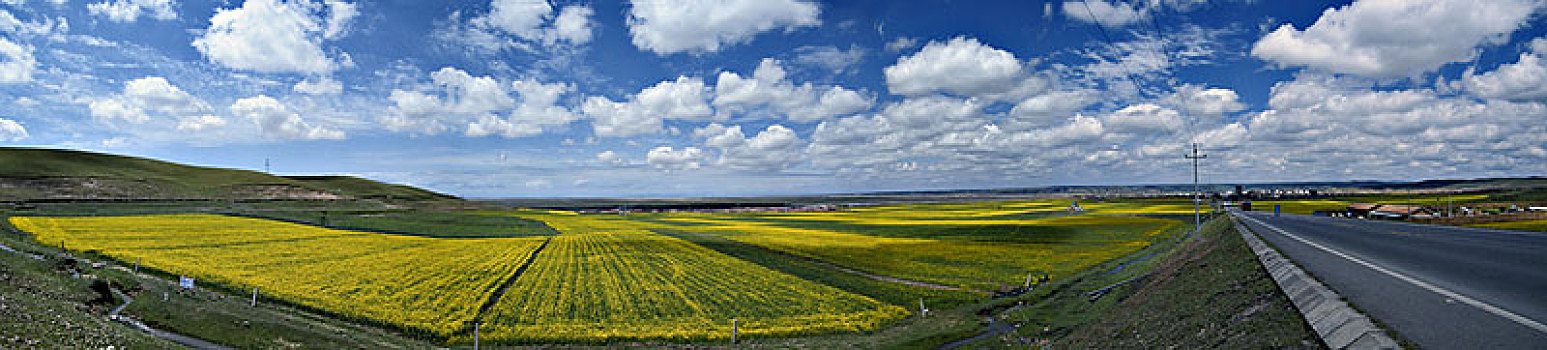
x,y
185,282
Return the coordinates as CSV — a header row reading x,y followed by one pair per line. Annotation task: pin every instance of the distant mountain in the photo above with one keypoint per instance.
x,y
33,173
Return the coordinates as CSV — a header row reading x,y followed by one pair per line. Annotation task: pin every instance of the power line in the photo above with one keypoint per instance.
x,y
1108,37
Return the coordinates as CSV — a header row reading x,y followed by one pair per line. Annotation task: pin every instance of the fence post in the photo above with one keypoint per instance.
x,y
136,265
254,297
475,334
735,329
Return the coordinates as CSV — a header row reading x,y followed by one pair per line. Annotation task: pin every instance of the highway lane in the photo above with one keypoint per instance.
x,y
1439,287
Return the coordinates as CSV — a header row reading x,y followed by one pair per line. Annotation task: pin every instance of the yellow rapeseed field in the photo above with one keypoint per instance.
x,y
425,284
980,265
607,279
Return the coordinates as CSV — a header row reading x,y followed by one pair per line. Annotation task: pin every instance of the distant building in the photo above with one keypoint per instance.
x,y
1361,210
1399,211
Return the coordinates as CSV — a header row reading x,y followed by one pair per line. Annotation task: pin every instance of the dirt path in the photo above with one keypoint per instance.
x,y
30,255
168,336
995,328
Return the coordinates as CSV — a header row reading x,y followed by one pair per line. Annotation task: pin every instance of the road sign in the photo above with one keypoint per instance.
x,y
185,282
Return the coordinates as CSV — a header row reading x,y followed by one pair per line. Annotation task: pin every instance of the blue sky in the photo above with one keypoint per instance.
x,y
759,97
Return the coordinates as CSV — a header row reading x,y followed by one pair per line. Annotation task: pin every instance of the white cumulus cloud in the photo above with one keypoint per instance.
x,y
130,10
200,123
16,62
534,20
776,147
830,57
1115,13
321,86
11,131
145,96
538,109
1395,38
1198,100
684,98
673,26
961,66
466,96
270,36
768,90
483,104
1143,118
1523,80
275,120
610,158
666,157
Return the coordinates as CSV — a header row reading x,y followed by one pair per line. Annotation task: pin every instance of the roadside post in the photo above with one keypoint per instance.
x,y
735,329
254,297
1276,208
475,334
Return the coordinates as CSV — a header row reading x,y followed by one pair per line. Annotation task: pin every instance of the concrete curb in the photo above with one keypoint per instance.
x,y
1337,323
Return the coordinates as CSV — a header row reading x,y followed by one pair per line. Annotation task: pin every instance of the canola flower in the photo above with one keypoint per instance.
x,y
427,284
969,264
607,279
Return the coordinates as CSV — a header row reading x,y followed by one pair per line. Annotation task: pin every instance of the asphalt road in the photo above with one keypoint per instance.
x,y
1438,287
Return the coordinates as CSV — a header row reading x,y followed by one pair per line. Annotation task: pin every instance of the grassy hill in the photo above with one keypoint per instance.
x,y
32,173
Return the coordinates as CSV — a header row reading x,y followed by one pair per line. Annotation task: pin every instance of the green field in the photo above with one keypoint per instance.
x,y
1523,225
418,222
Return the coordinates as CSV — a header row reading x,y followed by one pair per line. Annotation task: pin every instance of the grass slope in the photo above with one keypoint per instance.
x,y
1208,294
41,308
34,173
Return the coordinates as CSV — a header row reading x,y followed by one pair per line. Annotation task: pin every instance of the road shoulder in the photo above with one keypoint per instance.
x,y
1337,323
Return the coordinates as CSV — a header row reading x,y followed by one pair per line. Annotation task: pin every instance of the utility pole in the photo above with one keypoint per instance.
x,y
1197,216
266,166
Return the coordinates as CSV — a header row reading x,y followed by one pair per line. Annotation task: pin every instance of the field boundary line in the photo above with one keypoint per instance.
x,y
1335,322
499,292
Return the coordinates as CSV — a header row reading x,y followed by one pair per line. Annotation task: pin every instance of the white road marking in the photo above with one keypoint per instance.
x,y
1506,314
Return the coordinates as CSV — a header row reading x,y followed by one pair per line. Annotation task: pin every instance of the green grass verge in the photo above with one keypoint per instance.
x,y
231,321
1205,294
